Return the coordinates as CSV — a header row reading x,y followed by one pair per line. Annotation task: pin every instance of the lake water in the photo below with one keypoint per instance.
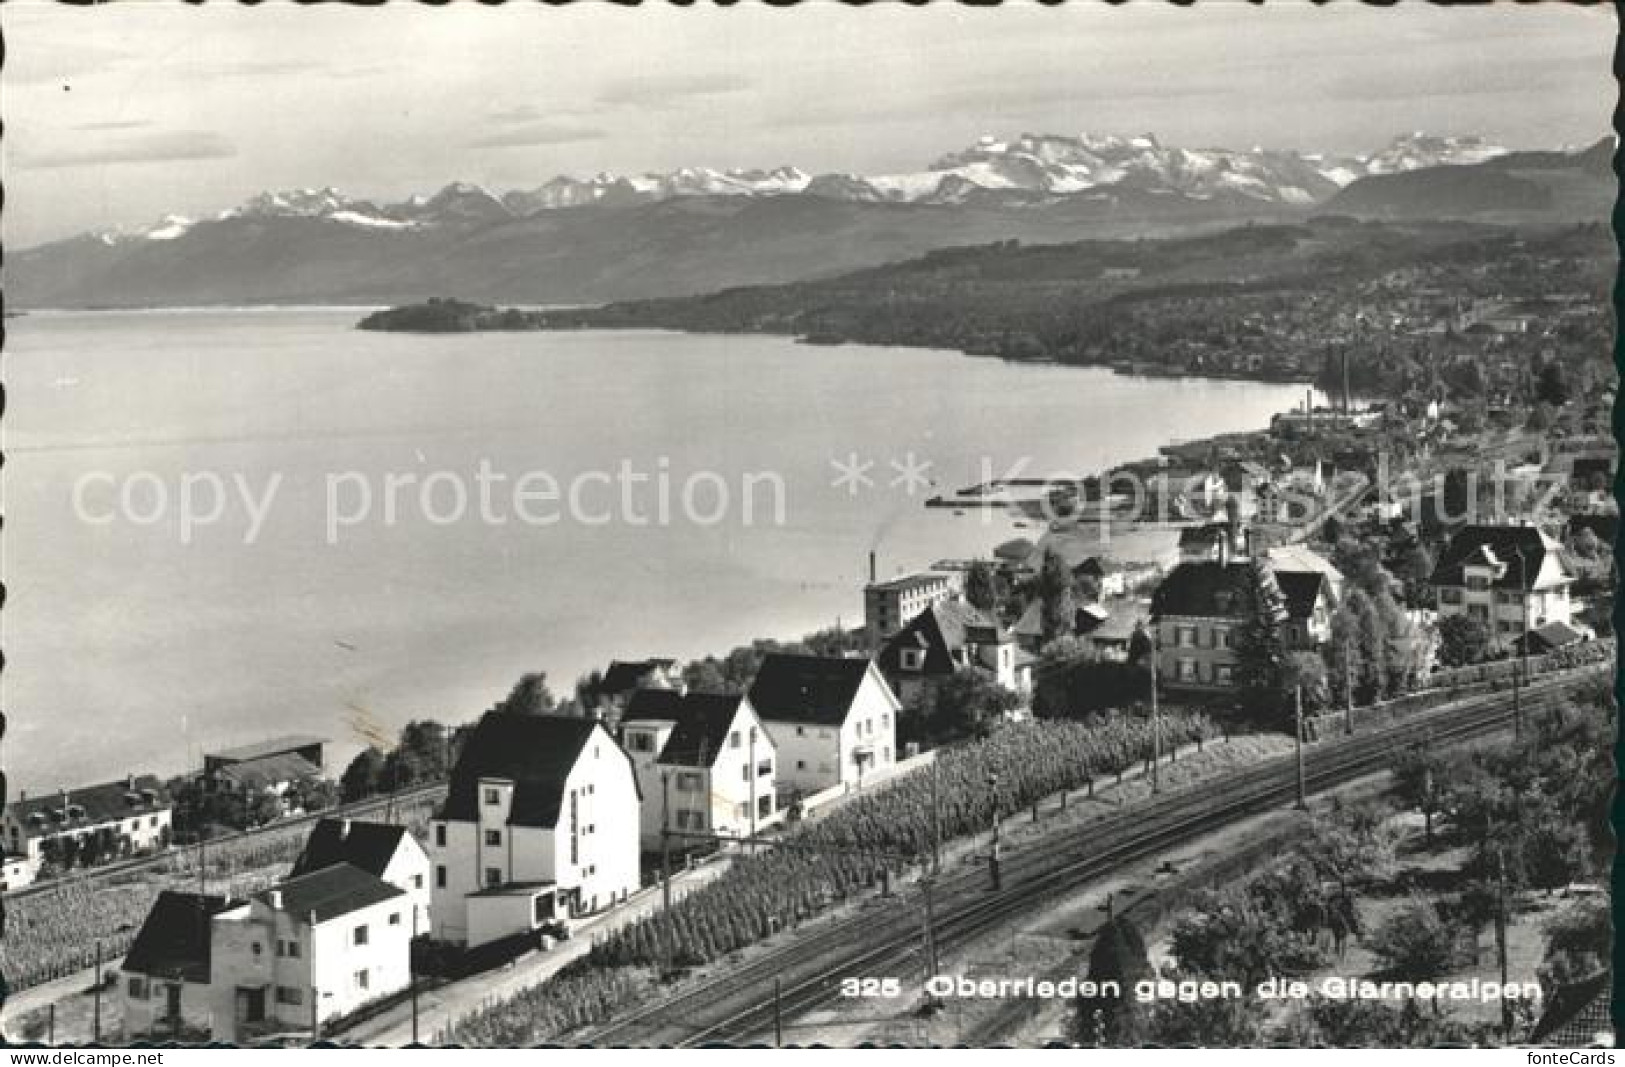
x,y
130,649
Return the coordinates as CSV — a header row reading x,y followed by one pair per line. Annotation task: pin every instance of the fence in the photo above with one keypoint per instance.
x,y
1452,682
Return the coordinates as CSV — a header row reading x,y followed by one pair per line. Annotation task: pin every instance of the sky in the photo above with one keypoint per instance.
x,y
118,115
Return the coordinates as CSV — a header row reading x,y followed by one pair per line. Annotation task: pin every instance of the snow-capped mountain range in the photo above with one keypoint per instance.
x,y
1028,168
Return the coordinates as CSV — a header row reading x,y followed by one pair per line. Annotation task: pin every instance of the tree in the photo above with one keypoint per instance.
x,y
1552,385
419,757
1054,589
1415,942
1118,956
1416,567
361,779
1463,640
1260,647
983,588
529,696
968,703
1304,673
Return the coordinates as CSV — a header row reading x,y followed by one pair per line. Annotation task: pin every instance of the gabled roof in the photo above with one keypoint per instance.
x,y
1578,1014
104,803
535,752
1554,635
1207,589
263,772
272,747
702,729
626,675
331,892
941,630
369,846
1302,590
174,939
903,583
652,705
1502,543
813,690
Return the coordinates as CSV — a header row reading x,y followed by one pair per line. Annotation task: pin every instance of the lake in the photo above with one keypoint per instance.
x,y
361,596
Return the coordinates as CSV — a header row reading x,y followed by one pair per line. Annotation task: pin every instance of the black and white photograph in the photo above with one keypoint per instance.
x,y
909,526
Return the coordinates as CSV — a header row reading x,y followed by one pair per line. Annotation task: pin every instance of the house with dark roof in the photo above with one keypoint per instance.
x,y
608,698
165,978
90,824
944,639
1199,609
1511,578
305,746
832,720
314,947
383,850
705,765
540,821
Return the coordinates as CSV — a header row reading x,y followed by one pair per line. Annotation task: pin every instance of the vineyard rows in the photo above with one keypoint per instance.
x,y
887,830
53,932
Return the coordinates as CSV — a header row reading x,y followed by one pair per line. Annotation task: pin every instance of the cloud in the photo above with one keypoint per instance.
x,y
168,147
535,134
655,90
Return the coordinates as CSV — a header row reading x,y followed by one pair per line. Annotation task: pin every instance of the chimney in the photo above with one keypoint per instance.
x,y
871,568
129,783
274,898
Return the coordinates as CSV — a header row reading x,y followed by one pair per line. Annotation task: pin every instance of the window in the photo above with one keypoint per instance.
x,y
440,877
493,796
913,659
153,821
1185,670
764,768
689,782
1478,582
741,811
1450,595
1221,674
638,741
257,949
360,935
417,881
1221,637
138,988
734,740
1185,636
440,836
292,949
286,994
764,807
362,980
744,772
394,918
493,876
801,764
801,731
493,838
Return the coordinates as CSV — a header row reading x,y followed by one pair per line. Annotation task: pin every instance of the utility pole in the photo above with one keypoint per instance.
x,y
1501,937
993,852
412,971
936,822
930,928
1297,719
665,841
1348,683
1156,724
778,1017
96,1017
752,773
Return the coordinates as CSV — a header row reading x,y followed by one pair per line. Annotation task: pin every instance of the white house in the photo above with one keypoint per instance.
x,y
165,977
1507,577
383,850
944,639
831,720
540,819
705,764
310,949
90,824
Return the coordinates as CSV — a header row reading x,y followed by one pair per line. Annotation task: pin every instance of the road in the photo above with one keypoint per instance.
x,y
738,1005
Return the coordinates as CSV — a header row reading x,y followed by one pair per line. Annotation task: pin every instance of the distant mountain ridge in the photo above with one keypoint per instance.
x,y
697,230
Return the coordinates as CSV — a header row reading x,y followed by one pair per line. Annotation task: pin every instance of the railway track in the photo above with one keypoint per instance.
x,y
887,939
